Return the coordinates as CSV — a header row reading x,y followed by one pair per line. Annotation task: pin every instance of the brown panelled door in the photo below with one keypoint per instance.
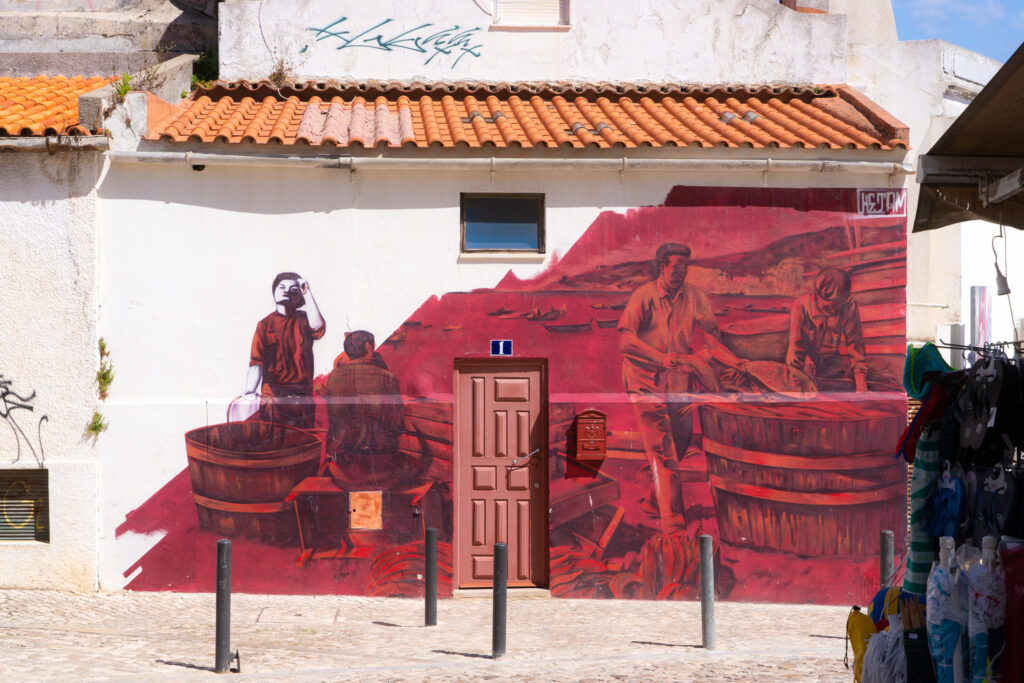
x,y
501,471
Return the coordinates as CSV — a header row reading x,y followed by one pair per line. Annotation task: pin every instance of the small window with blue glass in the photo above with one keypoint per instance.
x,y
511,223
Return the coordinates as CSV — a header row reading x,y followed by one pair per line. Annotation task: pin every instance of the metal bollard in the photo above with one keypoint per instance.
x,y
886,570
707,591
500,600
222,660
430,576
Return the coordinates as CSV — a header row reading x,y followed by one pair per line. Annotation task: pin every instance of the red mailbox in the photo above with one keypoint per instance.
x,y
591,435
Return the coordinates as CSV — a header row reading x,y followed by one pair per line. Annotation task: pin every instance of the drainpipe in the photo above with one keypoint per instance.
x,y
200,160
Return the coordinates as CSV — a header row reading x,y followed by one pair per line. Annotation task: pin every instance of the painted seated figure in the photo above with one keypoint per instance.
x,y
365,414
821,322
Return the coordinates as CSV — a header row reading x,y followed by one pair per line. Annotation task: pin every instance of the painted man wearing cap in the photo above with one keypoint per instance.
x,y
282,354
667,336
822,320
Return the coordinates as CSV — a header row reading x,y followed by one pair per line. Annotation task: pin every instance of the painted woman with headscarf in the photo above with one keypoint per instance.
x,y
822,322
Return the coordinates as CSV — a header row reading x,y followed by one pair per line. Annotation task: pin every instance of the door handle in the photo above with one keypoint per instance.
x,y
532,453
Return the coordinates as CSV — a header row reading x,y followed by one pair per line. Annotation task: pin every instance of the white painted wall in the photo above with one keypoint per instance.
x,y
976,242
927,84
867,21
691,41
188,259
49,250
65,5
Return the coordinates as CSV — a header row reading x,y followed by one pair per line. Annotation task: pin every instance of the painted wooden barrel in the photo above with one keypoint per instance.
x,y
241,473
812,478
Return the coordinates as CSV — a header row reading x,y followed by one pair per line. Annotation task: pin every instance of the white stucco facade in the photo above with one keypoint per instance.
x,y
698,41
185,287
49,247
927,84
173,266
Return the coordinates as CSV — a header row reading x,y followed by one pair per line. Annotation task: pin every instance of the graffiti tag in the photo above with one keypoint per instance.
x,y
882,202
11,401
454,42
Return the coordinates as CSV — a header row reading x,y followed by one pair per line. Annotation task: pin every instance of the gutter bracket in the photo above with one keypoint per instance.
x,y
1001,189
492,170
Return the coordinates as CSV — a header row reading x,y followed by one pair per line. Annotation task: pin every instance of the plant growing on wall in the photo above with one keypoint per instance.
x,y
97,425
122,87
105,375
281,72
206,69
104,378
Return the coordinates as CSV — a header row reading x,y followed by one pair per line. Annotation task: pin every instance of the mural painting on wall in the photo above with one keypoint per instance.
x,y
745,345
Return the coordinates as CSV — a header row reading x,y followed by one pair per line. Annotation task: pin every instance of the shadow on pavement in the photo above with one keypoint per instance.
x,y
650,642
463,654
185,665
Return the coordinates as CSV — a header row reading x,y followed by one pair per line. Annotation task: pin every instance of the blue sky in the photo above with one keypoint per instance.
x,y
994,28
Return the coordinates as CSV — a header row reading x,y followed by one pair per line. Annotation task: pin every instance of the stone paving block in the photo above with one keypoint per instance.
x,y
303,616
170,637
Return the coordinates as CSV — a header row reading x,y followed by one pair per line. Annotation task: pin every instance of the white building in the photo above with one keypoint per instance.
x,y
591,107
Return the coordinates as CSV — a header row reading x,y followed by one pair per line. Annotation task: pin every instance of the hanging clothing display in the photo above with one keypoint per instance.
x,y
1011,554
947,623
955,618
986,590
921,551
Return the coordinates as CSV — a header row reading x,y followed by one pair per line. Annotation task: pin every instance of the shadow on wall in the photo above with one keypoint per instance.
x,y
47,177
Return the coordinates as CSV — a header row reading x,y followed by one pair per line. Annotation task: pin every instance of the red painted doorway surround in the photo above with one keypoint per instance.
x,y
501,470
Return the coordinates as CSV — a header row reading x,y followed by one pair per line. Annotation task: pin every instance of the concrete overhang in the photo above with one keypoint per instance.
x,y
976,169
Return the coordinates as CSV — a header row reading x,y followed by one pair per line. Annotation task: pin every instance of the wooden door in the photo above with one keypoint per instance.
x,y
501,471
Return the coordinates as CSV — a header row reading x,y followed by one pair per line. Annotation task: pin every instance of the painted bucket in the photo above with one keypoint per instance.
x,y
812,478
241,473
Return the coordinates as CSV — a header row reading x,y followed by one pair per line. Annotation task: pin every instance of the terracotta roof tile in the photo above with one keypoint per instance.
x,y
43,105
533,115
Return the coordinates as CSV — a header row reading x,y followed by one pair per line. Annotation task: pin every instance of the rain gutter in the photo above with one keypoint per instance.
x,y
200,160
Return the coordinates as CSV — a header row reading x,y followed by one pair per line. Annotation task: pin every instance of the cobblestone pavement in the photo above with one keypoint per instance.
x,y
48,636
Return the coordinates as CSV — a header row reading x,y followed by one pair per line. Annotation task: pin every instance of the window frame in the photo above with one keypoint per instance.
x,y
538,197
562,25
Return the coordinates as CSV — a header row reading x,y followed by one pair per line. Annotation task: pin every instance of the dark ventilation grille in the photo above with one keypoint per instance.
x,y
24,505
913,405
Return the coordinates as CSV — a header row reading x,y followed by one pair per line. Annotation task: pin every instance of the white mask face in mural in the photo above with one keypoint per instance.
x,y
289,293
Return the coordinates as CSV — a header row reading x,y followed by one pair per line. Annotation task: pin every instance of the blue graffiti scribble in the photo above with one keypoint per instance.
x,y
454,40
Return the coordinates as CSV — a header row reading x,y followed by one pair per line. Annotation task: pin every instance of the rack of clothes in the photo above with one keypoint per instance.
x,y
961,599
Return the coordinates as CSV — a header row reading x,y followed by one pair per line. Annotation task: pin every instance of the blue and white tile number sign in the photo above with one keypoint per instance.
x,y
501,347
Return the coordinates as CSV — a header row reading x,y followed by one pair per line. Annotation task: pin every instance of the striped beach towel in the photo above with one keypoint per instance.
x,y
921,552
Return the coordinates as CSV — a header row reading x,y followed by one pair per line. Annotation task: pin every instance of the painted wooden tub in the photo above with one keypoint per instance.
x,y
812,478
241,473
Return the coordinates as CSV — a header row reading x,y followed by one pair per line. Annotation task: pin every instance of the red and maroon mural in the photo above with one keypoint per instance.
x,y
742,351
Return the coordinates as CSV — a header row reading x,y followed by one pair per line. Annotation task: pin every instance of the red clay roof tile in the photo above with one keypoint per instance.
x,y
533,115
44,105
